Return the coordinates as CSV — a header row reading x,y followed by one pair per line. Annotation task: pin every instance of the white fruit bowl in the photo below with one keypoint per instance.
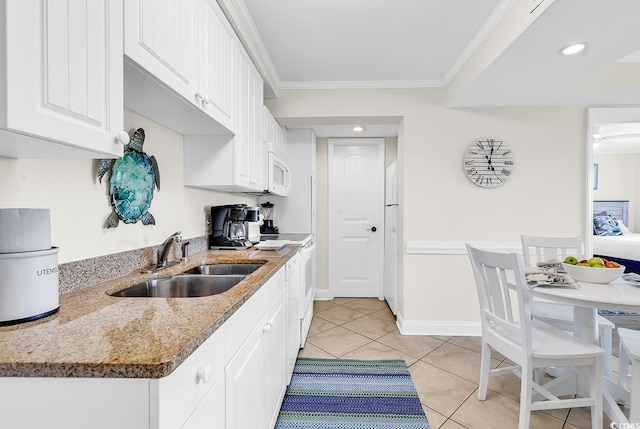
x,y
593,275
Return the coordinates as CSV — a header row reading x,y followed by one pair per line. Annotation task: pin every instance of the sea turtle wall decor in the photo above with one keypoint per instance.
x,y
131,184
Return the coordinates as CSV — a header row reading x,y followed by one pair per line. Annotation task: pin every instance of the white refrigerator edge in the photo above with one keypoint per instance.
x,y
390,288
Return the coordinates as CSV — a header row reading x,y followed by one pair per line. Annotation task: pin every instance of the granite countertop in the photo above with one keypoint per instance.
x,y
97,335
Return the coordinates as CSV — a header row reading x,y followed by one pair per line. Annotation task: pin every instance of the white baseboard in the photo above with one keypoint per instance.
x,y
468,329
323,295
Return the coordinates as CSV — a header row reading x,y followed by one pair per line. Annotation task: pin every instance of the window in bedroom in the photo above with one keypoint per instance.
x,y
595,176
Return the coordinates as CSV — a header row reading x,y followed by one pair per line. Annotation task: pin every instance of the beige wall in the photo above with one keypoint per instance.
x,y
79,204
437,201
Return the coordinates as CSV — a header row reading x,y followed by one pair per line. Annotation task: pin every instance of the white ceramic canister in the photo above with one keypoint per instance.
x,y
28,285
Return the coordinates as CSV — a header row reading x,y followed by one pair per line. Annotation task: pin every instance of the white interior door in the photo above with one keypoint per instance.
x,y
356,217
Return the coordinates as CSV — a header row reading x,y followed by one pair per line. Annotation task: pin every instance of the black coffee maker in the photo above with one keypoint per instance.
x,y
229,226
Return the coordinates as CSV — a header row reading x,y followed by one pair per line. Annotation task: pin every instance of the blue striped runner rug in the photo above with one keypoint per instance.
x,y
351,394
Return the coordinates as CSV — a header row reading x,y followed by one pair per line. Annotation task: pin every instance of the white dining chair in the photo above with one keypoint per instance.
x,y
508,328
561,315
629,360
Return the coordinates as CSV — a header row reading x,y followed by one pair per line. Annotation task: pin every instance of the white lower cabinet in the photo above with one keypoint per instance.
x,y
275,358
74,403
210,414
245,385
256,376
293,313
235,379
185,391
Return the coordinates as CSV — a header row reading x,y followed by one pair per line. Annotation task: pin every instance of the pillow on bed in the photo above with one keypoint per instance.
x,y
606,225
604,213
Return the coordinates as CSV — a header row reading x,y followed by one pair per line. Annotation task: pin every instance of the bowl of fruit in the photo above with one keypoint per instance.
x,y
592,270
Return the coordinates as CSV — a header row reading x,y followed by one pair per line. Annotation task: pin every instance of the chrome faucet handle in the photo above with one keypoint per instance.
x,y
185,251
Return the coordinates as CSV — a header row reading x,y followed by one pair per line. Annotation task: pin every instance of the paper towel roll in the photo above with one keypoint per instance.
x,y
24,230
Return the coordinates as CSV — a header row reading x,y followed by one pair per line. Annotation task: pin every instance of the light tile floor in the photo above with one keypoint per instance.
x,y
444,369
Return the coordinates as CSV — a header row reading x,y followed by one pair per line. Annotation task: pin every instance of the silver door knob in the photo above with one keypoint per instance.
x,y
372,229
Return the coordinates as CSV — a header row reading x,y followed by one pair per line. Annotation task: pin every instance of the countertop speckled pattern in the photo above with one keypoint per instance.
x,y
97,335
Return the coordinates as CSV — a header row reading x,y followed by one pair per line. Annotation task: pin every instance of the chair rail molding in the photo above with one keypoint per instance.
x,y
457,247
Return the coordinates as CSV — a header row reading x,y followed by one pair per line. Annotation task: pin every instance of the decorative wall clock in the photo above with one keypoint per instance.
x,y
488,163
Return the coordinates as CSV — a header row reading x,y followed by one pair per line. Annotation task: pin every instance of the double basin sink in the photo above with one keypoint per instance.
x,y
203,280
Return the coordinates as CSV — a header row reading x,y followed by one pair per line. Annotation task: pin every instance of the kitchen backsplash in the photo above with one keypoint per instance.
x,y
77,275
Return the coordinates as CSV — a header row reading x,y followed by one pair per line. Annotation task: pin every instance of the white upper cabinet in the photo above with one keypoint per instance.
x,y
179,65
214,58
280,144
158,38
269,125
61,82
250,159
273,134
232,163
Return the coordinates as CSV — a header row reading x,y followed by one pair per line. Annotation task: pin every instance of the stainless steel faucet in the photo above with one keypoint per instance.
x,y
163,253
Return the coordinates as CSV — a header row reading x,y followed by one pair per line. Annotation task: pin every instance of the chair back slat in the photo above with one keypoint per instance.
x,y
549,248
504,300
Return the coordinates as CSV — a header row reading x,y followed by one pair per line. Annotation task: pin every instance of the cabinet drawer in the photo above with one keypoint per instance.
x,y
181,391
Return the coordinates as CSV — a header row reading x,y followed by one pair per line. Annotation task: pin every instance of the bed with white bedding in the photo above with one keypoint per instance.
x,y
625,246
612,238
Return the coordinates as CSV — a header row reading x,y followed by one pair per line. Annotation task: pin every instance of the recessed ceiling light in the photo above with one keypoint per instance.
x,y
573,49
358,128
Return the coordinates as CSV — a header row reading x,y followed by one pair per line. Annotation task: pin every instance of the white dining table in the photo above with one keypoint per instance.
x,y
586,299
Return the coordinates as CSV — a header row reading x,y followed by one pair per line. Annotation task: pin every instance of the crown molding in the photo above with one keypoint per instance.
x,y
240,18
634,57
478,39
383,84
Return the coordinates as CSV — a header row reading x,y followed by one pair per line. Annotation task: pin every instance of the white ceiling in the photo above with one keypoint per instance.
x,y
428,43
366,43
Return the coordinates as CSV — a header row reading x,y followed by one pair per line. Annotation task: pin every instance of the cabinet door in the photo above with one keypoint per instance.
x,y
158,37
275,346
280,144
63,72
293,313
210,414
214,58
242,139
268,126
244,378
180,393
256,145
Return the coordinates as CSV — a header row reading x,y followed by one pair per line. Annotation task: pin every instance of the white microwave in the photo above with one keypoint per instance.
x,y
279,175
